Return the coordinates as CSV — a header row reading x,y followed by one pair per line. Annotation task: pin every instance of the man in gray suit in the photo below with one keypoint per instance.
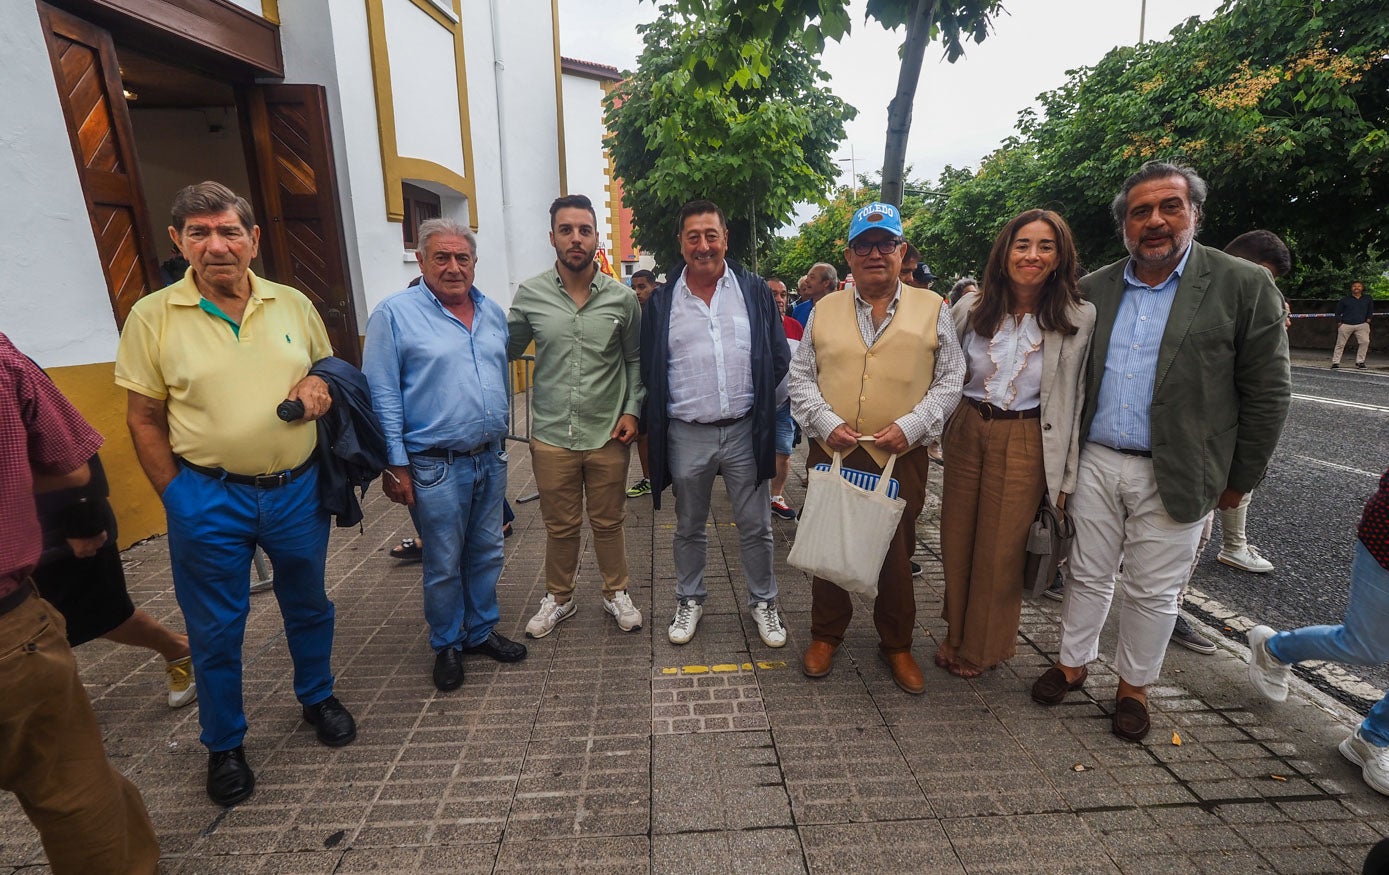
x,y
1187,393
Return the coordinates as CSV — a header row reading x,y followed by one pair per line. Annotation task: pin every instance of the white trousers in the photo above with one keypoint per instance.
x,y
1119,518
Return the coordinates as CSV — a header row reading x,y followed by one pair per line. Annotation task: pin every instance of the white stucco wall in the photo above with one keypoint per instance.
x,y
583,149
422,66
53,299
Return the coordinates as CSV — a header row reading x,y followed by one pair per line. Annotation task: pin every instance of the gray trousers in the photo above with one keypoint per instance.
x,y
697,453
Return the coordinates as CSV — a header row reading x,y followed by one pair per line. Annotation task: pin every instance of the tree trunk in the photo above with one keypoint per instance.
x,y
899,112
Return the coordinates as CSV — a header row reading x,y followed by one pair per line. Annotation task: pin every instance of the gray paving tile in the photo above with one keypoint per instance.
x,y
740,851
912,846
718,782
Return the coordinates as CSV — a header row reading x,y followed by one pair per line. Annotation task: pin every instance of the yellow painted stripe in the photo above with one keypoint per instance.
x,y
723,667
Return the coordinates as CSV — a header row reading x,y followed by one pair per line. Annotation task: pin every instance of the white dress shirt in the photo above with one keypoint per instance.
x,y
710,369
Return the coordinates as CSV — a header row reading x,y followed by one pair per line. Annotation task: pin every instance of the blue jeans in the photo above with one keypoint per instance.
x,y
1363,639
785,430
458,513
214,527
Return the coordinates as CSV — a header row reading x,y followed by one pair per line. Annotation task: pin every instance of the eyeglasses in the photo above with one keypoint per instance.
x,y
886,247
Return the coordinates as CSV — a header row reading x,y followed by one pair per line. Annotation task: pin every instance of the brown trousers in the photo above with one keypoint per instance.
x,y
91,819
568,480
994,481
894,611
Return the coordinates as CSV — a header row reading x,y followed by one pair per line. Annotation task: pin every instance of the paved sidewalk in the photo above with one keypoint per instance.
x,y
611,752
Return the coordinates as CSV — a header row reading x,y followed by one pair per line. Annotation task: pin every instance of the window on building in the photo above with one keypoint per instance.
x,y
420,204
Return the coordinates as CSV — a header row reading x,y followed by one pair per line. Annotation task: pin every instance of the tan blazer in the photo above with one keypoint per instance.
x,y
1063,390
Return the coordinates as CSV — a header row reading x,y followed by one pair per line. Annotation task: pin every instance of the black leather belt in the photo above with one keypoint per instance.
x,y
18,597
1144,454
260,481
989,412
721,423
449,455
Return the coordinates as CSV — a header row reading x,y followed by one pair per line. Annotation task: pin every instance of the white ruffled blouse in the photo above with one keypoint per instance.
x,y
1006,370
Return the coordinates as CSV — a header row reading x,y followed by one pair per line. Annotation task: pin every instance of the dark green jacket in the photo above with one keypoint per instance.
x,y
1223,385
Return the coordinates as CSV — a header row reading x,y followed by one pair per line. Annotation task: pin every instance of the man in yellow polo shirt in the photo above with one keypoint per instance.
x,y
877,373
206,362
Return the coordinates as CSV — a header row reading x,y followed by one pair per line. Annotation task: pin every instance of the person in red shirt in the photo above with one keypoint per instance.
x,y
785,426
89,817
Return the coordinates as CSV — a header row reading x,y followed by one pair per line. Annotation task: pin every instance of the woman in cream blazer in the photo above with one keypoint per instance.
x,y
1015,436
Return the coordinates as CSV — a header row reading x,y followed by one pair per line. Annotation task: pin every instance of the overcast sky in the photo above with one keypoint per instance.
x,y
963,111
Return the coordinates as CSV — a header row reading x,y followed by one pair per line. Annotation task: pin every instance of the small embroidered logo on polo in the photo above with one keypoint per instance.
x,y
287,339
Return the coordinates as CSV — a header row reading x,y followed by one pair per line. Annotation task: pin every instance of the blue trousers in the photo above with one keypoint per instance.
x,y
458,513
1363,639
214,528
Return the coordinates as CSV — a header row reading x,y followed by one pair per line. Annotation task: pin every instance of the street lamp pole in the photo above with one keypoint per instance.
x,y
853,168
1142,19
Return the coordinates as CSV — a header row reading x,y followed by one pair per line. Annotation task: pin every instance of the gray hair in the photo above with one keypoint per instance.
x,y
1196,188
431,228
826,271
962,283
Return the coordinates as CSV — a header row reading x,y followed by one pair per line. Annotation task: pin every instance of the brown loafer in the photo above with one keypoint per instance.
x,y
1131,719
905,672
1051,688
818,659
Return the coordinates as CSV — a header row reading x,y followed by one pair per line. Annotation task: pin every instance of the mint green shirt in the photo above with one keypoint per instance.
x,y
587,359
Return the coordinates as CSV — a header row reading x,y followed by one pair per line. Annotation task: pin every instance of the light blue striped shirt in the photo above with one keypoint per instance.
x,y
434,383
1130,366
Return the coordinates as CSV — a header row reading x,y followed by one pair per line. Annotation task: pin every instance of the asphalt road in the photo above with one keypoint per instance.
x,y
1303,517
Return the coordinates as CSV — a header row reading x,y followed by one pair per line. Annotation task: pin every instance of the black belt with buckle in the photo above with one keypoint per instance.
x,y
721,423
18,597
1142,454
260,481
989,412
449,455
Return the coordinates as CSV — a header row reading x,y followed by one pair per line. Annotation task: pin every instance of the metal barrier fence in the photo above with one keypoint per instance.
x,y
522,371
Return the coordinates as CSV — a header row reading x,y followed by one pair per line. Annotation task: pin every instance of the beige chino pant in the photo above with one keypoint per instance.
x,y
568,480
1361,333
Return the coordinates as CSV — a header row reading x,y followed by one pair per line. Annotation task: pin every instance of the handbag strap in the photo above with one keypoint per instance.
x,y
886,477
837,464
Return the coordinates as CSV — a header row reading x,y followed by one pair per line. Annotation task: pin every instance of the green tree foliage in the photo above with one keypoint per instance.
x,y
756,150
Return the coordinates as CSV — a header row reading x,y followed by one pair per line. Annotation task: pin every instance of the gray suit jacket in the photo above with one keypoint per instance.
x,y
1063,387
1223,386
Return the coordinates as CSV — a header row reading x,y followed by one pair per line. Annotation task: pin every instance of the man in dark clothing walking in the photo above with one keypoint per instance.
x,y
1353,318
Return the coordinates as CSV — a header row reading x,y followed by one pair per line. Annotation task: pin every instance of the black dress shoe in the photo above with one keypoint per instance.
x,y
1051,688
335,727
499,648
229,777
448,670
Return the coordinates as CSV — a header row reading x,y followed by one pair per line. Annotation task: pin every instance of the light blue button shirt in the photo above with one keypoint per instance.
x,y
1130,367
435,383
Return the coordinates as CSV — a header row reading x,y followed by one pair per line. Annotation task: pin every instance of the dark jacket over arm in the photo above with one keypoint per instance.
x,y
351,445
771,358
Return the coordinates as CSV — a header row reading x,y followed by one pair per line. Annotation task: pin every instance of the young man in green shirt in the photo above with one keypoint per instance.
x,y
587,396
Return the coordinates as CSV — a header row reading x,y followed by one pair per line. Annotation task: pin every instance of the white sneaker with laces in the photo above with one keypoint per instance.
x,y
1372,759
549,616
621,607
1247,559
183,690
1267,673
686,620
769,626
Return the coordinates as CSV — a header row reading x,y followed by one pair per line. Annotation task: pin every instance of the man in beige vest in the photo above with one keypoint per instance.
x,y
878,372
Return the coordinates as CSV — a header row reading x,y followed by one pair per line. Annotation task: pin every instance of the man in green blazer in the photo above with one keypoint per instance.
x,y
1187,391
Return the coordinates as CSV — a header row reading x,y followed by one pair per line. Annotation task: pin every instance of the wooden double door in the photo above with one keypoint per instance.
x,y
289,156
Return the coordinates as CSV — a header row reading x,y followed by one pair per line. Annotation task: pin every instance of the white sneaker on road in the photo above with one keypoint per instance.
x,y
1247,559
769,626
686,620
549,616
1267,673
621,607
1372,759
183,689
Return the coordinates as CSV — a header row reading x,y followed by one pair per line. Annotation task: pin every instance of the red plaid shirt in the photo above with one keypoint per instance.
x,y
40,430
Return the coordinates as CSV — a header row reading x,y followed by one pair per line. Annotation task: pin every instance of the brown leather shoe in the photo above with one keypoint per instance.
x,y
818,659
1051,688
905,672
1131,719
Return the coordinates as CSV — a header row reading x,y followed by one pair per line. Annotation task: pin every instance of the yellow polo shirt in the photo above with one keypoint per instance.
x,y
221,384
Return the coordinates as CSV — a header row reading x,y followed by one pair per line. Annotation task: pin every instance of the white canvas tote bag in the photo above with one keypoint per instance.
x,y
845,531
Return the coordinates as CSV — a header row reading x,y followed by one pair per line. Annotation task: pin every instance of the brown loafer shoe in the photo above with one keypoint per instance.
x,y
905,672
1131,719
818,659
1051,688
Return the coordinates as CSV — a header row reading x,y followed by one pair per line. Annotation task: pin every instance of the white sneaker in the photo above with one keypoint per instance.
x,y
183,689
621,607
1267,673
1247,559
682,627
549,616
1372,759
769,625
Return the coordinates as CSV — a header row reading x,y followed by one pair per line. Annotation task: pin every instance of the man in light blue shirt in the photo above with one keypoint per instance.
x,y
435,358
1188,389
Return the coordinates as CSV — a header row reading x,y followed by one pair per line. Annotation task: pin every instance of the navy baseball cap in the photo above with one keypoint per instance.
x,y
876,215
